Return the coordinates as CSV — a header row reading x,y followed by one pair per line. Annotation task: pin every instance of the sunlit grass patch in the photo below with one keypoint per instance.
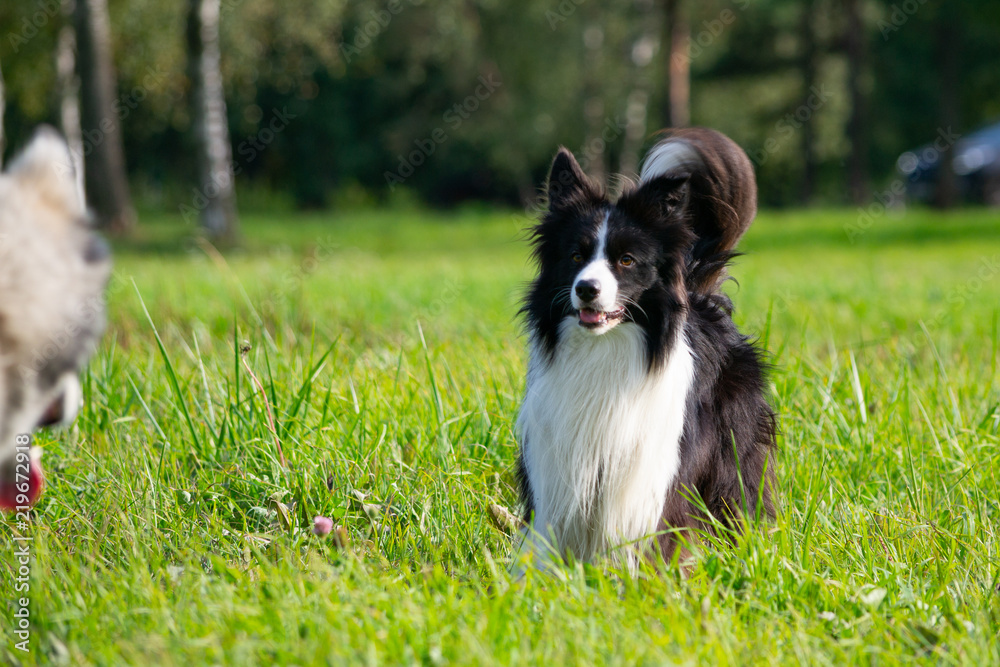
x,y
389,363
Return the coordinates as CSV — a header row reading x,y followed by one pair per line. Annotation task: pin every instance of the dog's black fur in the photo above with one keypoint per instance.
x,y
680,226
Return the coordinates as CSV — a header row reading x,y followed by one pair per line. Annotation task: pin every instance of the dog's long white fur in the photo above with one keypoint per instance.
x,y
601,436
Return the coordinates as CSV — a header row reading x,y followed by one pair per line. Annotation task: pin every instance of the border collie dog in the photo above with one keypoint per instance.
x,y
644,404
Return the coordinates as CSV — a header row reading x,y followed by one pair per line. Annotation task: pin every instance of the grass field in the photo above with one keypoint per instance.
x,y
388,350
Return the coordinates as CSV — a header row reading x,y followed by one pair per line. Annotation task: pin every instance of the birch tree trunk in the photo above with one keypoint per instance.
x,y
3,104
217,195
69,97
105,180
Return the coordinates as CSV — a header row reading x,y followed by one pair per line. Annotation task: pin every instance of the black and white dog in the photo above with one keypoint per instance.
x,y
644,404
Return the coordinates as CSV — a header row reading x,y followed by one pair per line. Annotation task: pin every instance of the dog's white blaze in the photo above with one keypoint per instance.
x,y
601,437
667,156
599,270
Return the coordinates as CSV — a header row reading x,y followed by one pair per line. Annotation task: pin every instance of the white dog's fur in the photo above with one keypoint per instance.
x,y
53,271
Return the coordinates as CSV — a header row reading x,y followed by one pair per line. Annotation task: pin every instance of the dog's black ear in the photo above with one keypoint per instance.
x,y
669,191
567,182
657,198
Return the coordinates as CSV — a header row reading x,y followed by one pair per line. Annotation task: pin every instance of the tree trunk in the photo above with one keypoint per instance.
x,y
857,124
810,54
3,105
69,97
677,33
217,195
106,182
637,103
948,44
595,146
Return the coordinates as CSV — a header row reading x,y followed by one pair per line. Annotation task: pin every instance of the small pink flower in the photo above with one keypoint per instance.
x,y
322,525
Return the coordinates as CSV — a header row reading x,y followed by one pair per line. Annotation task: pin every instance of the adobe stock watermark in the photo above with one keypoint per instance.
x,y
122,107
898,17
292,279
885,199
453,118
448,293
790,123
377,20
563,11
254,144
88,313
989,268
227,6
35,22
960,295
711,31
612,128
21,545
450,290
249,149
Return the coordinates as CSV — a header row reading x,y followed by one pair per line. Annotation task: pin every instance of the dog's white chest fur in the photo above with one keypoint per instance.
x,y
601,437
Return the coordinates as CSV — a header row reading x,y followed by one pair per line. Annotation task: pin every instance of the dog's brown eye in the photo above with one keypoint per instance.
x,y
577,258
627,260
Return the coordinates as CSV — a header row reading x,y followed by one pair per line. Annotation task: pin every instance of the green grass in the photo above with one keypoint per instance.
x,y
390,355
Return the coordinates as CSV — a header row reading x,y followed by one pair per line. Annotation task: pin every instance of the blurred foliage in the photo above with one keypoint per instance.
x,y
326,98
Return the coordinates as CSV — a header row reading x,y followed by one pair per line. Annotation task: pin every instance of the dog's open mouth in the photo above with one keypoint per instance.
x,y
53,414
593,319
22,477
21,482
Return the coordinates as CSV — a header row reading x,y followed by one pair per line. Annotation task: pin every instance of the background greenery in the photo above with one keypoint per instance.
x,y
389,353
373,342
360,102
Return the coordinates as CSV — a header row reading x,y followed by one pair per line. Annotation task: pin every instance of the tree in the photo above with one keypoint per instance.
x,y
593,102
637,103
106,184
69,96
809,58
2,107
217,200
677,33
857,124
948,46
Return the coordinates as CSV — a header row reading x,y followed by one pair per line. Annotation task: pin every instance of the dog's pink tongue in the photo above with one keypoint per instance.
x,y
591,316
19,492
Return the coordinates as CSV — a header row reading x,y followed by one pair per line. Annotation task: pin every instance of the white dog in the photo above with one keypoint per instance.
x,y
53,271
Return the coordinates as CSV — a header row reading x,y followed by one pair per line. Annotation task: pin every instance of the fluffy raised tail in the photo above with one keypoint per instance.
x,y
721,197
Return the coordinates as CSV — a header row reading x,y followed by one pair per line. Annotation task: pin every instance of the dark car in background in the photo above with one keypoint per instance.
x,y
976,163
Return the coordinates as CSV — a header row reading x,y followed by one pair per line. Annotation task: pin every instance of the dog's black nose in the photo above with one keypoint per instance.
x,y
588,289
